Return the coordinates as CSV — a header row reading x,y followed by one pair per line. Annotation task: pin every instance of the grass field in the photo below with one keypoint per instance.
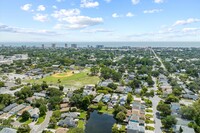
x,y
40,120
68,79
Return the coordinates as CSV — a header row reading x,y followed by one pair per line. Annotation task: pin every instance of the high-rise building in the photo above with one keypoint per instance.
x,y
53,45
99,46
73,45
43,46
66,45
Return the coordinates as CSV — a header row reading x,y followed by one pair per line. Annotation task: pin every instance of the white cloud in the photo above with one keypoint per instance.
x,y
184,22
153,11
40,17
78,22
158,1
63,13
26,7
54,7
74,19
129,14
96,30
108,1
115,15
190,29
60,0
10,29
89,4
41,8
135,2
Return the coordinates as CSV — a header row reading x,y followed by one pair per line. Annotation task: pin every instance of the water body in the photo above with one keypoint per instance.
x,y
106,44
99,123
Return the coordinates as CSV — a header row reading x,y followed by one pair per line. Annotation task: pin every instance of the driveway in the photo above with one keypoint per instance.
x,y
42,126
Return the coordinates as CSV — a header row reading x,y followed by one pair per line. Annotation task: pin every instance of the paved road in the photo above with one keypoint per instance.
x,y
155,100
162,65
41,127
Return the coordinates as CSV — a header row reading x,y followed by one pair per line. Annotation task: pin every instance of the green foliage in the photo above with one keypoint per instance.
x,y
171,98
24,129
76,130
100,105
24,93
2,84
164,109
121,116
43,110
112,86
5,100
26,115
54,101
168,121
129,98
118,109
115,129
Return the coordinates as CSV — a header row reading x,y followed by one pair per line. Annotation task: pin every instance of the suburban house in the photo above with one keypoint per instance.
x,y
8,130
106,83
70,114
186,129
97,98
106,98
17,109
175,108
34,113
9,107
68,122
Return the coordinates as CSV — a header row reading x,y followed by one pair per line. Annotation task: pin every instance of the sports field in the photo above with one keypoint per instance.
x,y
70,79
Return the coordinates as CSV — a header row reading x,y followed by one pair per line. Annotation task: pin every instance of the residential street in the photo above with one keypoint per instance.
x,y
41,127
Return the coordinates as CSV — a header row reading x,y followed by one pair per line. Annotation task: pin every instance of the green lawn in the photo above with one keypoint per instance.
x,y
81,124
24,121
77,80
40,120
83,115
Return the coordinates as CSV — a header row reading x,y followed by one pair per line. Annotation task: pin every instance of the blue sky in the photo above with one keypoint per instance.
x,y
99,20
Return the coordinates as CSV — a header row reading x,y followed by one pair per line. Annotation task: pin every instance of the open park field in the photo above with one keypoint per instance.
x,y
70,79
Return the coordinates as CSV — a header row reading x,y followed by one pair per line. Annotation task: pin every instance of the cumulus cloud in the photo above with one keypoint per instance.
x,y
41,8
158,1
129,14
26,7
96,30
60,0
79,22
74,20
54,7
89,4
40,17
10,29
153,11
185,22
63,13
108,1
135,2
115,15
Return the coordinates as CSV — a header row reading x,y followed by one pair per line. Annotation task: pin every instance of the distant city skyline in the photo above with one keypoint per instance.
x,y
99,20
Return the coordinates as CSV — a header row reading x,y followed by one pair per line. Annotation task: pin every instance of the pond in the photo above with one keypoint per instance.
x,y
99,123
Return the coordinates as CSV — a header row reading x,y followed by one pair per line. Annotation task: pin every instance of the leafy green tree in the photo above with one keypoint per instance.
x,y
187,112
121,116
164,109
24,129
100,105
180,129
168,121
171,98
115,129
61,87
118,109
86,102
44,85
76,130
26,115
94,70
56,100
2,84
112,86
43,110
129,98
